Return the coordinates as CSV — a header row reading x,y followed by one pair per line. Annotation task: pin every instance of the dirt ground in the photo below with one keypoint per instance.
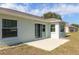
x,y
69,48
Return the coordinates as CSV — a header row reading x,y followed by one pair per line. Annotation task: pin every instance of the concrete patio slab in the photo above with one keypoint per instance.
x,y
48,44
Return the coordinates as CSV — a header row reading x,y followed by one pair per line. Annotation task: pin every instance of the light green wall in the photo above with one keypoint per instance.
x,y
26,30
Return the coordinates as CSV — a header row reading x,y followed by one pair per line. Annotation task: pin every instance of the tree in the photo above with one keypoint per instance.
x,y
75,25
52,15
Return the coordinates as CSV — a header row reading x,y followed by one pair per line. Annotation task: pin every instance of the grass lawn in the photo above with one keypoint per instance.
x,y
71,47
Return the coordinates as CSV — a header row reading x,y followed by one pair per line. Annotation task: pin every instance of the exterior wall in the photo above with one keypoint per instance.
x,y
66,29
62,35
57,34
26,30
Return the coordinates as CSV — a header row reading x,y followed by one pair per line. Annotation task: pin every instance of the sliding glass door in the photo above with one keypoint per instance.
x,y
39,29
38,33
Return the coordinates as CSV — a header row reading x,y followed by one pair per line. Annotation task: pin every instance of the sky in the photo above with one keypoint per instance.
x,y
69,12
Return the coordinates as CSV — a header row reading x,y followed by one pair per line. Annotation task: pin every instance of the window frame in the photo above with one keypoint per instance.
x,y
52,27
10,30
43,28
62,29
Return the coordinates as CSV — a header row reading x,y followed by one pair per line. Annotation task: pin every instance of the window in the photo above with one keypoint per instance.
x,y
43,28
53,28
9,28
61,28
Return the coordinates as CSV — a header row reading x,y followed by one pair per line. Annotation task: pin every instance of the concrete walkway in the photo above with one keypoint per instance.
x,y
48,44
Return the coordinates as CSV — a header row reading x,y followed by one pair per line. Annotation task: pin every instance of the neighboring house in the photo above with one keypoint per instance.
x,y
73,29
70,28
16,27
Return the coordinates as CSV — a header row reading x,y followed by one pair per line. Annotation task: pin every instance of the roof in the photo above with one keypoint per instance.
x,y
53,20
72,26
26,15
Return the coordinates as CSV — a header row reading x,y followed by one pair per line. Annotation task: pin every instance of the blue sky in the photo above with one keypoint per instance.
x,y
69,12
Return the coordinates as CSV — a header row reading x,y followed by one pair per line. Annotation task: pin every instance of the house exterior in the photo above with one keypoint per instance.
x,y
73,29
67,28
70,28
16,27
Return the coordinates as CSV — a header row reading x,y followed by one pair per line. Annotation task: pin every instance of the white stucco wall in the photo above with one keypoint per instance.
x,y
26,30
66,29
57,34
